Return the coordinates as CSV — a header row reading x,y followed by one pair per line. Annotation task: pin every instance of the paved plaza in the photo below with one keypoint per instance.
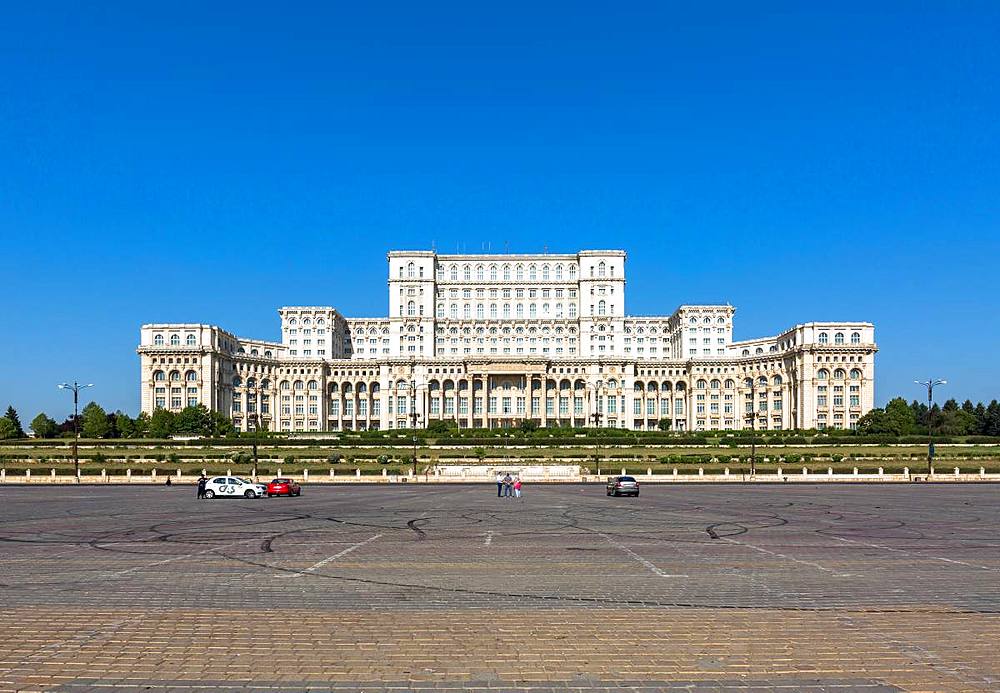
x,y
696,588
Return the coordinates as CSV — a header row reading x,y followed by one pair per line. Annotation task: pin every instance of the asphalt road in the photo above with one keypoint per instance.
x,y
700,587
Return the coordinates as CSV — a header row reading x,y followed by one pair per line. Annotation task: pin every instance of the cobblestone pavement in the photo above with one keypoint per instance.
x,y
700,588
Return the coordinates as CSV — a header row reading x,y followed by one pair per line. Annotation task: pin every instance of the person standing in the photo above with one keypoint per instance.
x,y
508,491
499,483
517,487
202,480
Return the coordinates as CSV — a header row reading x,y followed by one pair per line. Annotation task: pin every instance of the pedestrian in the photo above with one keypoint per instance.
x,y
202,480
517,487
168,481
499,483
508,491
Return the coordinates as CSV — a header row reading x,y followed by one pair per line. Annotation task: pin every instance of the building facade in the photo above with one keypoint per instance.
x,y
488,341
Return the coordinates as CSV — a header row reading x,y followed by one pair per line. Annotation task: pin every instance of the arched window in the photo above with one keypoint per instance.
x,y
479,273
519,272
251,382
601,307
701,384
532,311
158,340
297,385
746,352
559,273
454,273
411,308
822,374
175,375
283,385
479,310
520,310
715,384
532,273
312,385
175,340
265,384
267,354
730,384
855,374
453,311
758,350
158,375
493,310
506,310
190,376
440,310
493,273
838,338
776,380
411,270
839,374
545,273
506,273
467,311
572,271
237,380
601,269
467,273
824,338
191,340
855,338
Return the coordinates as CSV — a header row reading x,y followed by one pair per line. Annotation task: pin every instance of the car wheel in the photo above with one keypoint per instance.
x,y
250,494
298,493
209,493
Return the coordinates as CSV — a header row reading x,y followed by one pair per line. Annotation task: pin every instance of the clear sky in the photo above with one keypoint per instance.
x,y
210,162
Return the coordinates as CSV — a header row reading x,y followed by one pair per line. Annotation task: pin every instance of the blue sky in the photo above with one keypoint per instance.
x,y
208,164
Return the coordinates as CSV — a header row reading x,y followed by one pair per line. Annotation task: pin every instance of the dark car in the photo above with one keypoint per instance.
x,y
623,486
283,487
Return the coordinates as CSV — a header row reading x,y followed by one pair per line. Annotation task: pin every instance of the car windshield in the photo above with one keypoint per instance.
x,y
626,478
281,481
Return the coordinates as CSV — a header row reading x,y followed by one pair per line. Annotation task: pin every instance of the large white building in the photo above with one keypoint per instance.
x,y
487,341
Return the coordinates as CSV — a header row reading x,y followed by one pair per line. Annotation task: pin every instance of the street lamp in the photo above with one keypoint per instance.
x,y
252,421
929,384
414,416
75,387
753,427
596,416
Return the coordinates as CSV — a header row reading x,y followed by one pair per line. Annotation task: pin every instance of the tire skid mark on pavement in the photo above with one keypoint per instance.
x,y
787,557
649,565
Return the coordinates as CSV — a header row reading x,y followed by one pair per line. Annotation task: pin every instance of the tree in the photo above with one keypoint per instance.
x,y
193,421
94,421
7,429
528,426
220,425
663,424
124,424
161,424
874,422
44,427
140,426
901,418
11,416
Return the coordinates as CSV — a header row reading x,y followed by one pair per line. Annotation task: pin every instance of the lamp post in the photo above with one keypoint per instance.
x,y
414,416
929,384
252,421
596,416
753,427
75,387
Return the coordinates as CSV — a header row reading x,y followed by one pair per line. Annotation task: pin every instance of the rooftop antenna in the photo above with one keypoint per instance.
x,y
506,247
433,248
545,249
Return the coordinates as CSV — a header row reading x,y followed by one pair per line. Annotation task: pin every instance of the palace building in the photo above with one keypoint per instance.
x,y
488,341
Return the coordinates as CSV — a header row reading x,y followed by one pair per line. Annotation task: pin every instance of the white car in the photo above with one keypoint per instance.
x,y
233,487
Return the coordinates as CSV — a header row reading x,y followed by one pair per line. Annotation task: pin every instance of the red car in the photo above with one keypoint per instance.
x,y
283,487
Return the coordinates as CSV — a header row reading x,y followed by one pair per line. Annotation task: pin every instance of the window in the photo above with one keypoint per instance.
x,y
175,340
411,308
601,307
855,374
822,374
855,338
823,338
158,375
158,340
838,338
191,339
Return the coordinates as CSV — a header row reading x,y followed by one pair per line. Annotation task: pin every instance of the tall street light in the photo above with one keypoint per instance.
x,y
753,427
596,416
414,416
929,384
75,387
